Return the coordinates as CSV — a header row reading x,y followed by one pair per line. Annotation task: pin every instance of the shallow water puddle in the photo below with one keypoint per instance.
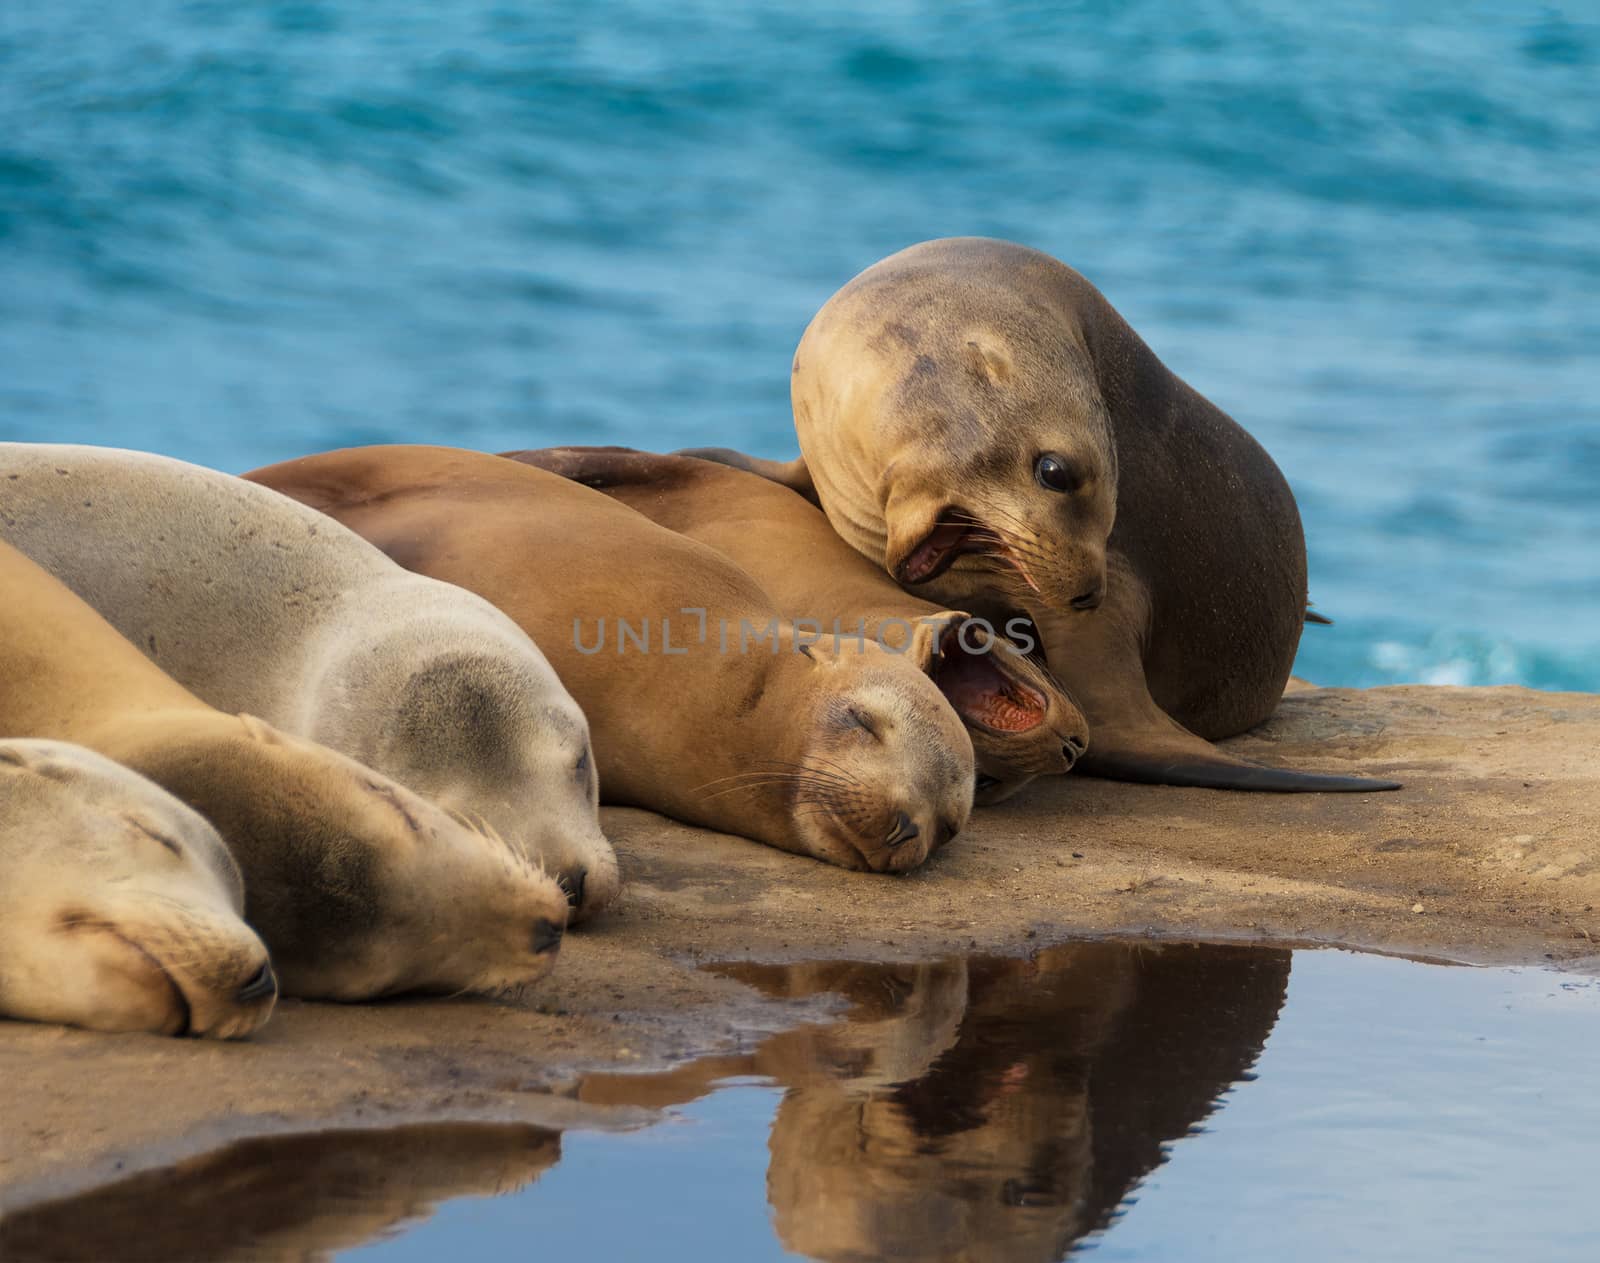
x,y
1181,1102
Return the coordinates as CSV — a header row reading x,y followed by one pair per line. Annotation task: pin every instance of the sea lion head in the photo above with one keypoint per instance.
x,y
361,887
494,735
947,406
883,769
119,906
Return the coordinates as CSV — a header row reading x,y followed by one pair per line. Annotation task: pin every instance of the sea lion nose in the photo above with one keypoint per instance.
x,y
261,985
1091,599
573,884
1072,751
546,936
905,828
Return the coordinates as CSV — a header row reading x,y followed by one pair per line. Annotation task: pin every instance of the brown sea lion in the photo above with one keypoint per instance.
x,y
359,887
1021,723
977,419
703,702
120,908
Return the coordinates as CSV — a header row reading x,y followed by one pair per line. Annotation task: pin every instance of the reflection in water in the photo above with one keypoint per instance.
x,y
281,1197
970,1109
989,1108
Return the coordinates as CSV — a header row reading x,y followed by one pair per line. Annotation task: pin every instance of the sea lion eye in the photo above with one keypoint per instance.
x,y
861,720
1056,474
155,835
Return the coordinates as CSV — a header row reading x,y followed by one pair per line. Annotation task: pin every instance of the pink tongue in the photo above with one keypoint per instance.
x,y
925,556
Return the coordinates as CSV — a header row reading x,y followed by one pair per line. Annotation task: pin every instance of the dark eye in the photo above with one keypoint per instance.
x,y
1055,473
582,769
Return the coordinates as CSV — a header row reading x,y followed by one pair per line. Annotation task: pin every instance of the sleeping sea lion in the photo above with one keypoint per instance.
x,y
257,604
706,705
359,887
1021,723
120,908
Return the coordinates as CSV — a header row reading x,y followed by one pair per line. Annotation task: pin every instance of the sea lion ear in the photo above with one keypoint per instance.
x,y
260,730
989,364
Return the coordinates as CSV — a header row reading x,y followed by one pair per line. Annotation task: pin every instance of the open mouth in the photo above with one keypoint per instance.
x,y
956,534
982,694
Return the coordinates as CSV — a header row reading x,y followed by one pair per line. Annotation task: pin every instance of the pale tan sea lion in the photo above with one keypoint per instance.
x,y
359,887
1021,723
701,714
120,908
976,418
257,604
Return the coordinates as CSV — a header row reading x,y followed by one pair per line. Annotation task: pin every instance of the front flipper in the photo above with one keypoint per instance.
x,y
792,474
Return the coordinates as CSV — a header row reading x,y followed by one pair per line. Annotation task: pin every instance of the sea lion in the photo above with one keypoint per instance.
x,y
119,906
977,419
705,704
257,604
1021,723
358,886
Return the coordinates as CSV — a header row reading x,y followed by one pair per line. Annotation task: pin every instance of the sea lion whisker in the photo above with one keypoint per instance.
x,y
829,767
753,785
768,767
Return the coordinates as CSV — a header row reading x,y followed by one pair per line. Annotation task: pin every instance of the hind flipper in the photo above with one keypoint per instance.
x,y
1097,658
1155,757
792,474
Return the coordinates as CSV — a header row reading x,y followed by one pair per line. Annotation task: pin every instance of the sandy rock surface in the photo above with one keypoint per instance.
x,y
1489,855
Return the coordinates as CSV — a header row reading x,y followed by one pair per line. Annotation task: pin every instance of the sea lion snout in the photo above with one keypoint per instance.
x,y
547,936
228,1003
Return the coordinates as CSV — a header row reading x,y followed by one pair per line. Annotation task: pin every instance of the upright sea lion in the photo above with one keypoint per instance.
x,y
257,604
359,887
1021,723
706,705
976,418
119,906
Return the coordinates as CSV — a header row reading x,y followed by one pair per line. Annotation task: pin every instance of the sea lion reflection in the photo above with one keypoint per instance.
x,y
987,1108
967,1109
302,1196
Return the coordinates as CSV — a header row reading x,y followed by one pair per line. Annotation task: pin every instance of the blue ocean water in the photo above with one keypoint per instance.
x,y
237,232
